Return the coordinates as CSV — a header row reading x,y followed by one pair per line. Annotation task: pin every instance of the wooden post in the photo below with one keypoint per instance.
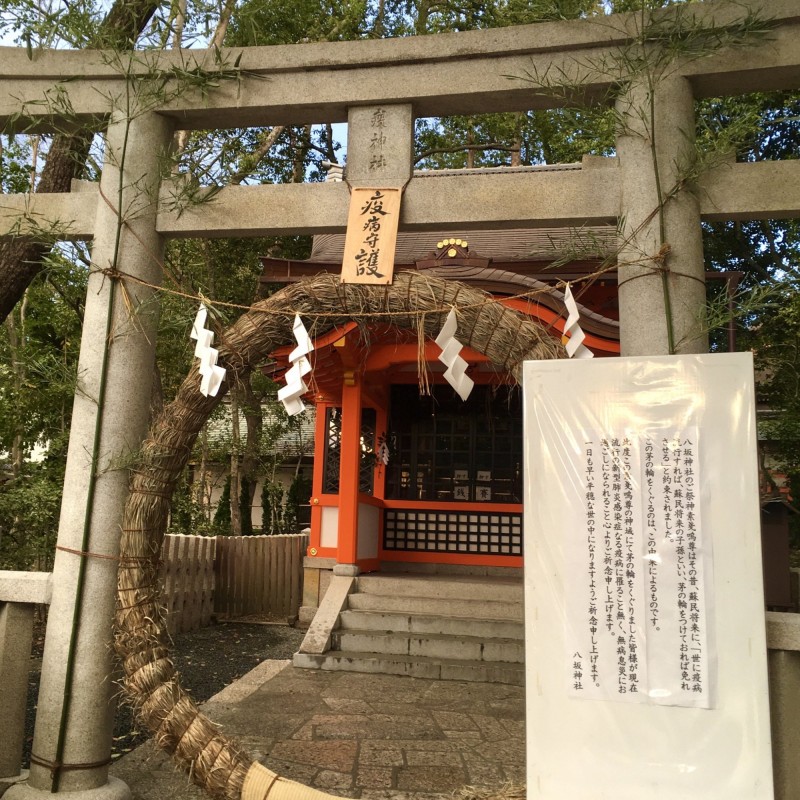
x,y
347,546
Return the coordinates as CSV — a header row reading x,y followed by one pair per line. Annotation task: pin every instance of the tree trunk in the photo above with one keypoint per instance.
x,y
516,152
200,491
16,344
251,407
21,259
236,488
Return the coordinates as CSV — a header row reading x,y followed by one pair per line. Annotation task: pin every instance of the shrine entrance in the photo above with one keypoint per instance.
x,y
406,472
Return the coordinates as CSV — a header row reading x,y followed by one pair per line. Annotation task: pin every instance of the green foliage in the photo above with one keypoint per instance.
x,y
559,136
222,516
755,127
38,357
245,509
34,24
292,21
15,164
39,345
272,513
298,495
187,515
751,127
777,356
30,504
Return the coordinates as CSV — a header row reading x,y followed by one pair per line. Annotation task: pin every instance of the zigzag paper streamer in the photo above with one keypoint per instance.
x,y
456,366
211,376
574,344
296,387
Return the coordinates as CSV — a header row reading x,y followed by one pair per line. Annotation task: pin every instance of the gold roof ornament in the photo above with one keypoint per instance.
x,y
451,248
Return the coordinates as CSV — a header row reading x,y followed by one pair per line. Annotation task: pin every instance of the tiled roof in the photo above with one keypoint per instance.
x,y
516,244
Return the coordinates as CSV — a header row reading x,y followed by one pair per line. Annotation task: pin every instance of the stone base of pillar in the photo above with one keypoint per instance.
x,y
9,781
115,789
347,570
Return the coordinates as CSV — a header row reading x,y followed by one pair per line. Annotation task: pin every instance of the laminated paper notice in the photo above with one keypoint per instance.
x,y
371,236
637,605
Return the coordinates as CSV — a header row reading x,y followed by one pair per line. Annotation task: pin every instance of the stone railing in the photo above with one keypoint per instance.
x,y
20,592
783,653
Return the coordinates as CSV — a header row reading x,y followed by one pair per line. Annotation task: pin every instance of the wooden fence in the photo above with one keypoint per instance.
x,y
259,575
231,576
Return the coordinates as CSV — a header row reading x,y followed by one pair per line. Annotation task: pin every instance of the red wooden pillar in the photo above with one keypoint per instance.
x,y
320,453
381,426
347,546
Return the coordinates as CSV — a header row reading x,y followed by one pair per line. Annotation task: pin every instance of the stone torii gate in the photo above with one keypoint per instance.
x,y
140,99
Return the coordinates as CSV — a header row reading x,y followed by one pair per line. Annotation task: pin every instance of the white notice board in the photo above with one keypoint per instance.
x,y
646,668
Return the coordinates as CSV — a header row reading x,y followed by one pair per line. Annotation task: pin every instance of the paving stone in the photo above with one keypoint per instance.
x,y
396,707
474,736
306,732
412,744
373,737
339,755
341,792
302,773
253,722
375,726
415,758
381,688
484,773
384,757
392,794
506,751
344,705
509,707
375,777
328,779
300,702
490,728
430,779
515,727
515,774
453,721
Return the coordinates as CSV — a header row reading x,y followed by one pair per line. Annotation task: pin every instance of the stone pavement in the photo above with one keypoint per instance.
x,y
376,737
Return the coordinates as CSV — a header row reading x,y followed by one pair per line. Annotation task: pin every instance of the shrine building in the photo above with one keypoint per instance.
x,y
405,472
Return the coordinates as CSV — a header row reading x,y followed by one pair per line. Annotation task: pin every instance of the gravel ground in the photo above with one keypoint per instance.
x,y
207,660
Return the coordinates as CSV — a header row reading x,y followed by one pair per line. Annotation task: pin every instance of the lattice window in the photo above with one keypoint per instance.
x,y
445,450
366,466
333,451
331,468
453,532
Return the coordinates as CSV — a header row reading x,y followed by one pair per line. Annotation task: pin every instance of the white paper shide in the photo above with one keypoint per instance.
x,y
291,394
456,371
211,375
574,344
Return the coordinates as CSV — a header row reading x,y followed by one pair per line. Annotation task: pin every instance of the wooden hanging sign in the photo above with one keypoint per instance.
x,y
371,235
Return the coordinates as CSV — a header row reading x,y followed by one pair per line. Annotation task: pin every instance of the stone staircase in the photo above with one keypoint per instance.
x,y
450,627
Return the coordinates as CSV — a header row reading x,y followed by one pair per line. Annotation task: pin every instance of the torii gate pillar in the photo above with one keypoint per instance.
x,y
656,155
72,737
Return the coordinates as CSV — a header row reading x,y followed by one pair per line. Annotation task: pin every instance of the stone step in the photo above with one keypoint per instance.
x,y
414,666
431,623
451,587
415,568
412,604
460,648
